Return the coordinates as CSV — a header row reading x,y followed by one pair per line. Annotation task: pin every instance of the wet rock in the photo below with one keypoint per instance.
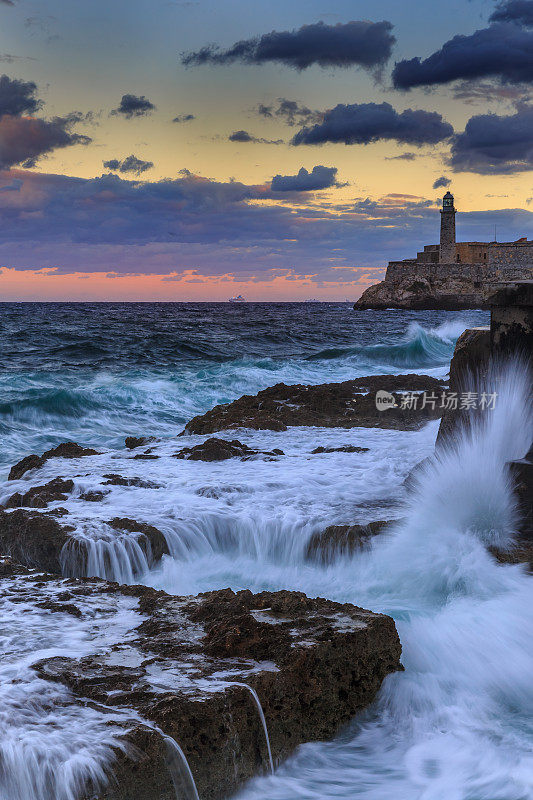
x,y
313,664
347,448
345,405
65,450
92,496
341,540
132,442
40,496
521,552
118,480
145,457
220,449
33,539
468,366
158,543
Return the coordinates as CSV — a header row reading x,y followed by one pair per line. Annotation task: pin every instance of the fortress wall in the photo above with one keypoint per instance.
x,y
511,255
406,270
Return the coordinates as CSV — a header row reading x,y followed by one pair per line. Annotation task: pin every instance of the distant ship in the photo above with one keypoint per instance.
x,y
238,299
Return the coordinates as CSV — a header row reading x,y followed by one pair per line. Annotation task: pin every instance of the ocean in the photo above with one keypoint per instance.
x,y
456,725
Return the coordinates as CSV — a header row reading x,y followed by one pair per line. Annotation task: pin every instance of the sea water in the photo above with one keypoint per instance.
x,y
456,725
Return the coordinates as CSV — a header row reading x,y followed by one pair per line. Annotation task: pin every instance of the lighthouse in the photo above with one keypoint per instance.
x,y
447,230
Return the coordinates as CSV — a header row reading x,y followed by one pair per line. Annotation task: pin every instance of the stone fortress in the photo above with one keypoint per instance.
x,y
451,275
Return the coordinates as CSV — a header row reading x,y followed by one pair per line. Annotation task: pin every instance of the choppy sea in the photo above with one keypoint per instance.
x,y
457,724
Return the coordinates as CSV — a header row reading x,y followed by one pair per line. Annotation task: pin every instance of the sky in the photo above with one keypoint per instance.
x,y
198,149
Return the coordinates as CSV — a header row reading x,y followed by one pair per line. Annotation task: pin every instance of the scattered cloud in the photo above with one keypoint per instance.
x,y
14,186
130,164
479,91
7,2
519,11
402,157
133,106
290,112
319,178
18,97
442,183
184,118
357,43
493,144
503,50
364,123
24,140
244,137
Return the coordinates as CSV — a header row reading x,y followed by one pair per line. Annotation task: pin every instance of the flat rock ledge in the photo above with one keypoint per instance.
x,y
180,672
349,404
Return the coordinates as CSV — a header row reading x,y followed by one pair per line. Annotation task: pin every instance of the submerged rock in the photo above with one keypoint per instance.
x,y
65,450
40,496
345,405
132,442
215,449
347,448
337,541
112,479
158,543
313,664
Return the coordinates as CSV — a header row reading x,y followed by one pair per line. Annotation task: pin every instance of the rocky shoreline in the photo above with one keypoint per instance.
x,y
188,666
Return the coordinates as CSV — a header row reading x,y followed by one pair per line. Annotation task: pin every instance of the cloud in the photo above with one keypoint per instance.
x,y
220,229
7,2
184,118
23,140
502,50
18,97
493,144
442,183
519,11
244,137
478,91
364,44
129,164
402,157
15,186
364,123
290,112
133,106
319,178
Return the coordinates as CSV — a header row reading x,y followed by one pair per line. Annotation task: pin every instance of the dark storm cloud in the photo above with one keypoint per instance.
x,y
502,50
493,144
245,137
519,11
184,118
23,140
133,106
18,97
319,178
290,112
130,164
364,123
442,183
364,44
7,2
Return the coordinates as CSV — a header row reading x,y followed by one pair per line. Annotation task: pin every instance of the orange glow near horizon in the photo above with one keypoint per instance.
x,y
47,285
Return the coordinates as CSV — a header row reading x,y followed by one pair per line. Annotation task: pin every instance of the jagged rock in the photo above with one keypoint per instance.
x,y
132,442
340,540
423,293
117,480
468,366
313,664
33,539
158,543
220,449
347,448
145,457
40,496
344,405
65,450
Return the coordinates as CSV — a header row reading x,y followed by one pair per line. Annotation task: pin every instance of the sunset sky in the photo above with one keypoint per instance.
x,y
168,150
